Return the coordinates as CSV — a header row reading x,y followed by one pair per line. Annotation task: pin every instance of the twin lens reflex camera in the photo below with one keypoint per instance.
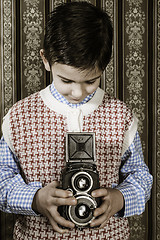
x,y
80,176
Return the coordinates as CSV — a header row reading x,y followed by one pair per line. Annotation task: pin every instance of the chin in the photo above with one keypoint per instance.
x,y
75,102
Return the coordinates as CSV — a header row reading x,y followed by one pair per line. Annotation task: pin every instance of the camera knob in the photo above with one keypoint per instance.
x,y
69,167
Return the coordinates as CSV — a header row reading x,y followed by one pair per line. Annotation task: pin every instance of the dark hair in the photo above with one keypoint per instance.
x,y
80,35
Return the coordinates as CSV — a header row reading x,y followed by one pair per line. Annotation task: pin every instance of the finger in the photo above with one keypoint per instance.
x,y
56,192
102,209
56,228
103,224
99,221
100,192
64,201
54,184
62,221
65,223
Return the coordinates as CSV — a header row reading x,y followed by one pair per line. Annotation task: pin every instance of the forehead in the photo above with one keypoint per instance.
x,y
75,74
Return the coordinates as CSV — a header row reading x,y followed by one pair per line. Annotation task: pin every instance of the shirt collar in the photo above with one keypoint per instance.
x,y
62,99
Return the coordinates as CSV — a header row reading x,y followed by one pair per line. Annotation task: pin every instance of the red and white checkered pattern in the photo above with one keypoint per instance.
x,y
38,135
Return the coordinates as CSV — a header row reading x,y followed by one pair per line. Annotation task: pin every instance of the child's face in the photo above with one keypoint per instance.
x,y
74,84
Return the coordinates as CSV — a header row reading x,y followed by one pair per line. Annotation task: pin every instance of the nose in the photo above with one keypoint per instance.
x,y
77,91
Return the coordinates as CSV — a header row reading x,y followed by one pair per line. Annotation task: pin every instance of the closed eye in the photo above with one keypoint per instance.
x,y
91,82
66,81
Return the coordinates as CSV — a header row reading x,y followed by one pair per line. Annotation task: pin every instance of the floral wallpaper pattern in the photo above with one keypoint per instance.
x,y
21,74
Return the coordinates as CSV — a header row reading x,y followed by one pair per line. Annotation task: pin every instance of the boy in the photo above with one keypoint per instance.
x,y
77,49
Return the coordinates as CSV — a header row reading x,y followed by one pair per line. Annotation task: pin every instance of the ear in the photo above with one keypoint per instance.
x,y
45,61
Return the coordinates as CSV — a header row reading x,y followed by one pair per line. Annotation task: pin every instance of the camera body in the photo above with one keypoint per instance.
x,y
80,176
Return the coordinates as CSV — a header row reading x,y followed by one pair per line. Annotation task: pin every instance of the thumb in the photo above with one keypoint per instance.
x,y
99,192
54,184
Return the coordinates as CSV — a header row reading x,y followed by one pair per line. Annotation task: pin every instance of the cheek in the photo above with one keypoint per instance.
x,y
61,88
91,88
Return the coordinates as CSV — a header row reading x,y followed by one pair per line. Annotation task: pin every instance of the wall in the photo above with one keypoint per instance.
x,y
133,75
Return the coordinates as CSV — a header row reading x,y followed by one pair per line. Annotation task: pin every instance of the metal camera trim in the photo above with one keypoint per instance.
x,y
78,173
79,196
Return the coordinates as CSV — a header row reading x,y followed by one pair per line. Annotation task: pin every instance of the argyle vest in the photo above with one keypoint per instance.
x,y
37,134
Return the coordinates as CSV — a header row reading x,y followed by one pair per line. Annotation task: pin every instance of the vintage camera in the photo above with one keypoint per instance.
x,y
80,176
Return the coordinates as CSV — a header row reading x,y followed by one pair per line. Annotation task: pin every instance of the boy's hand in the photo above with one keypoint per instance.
x,y
112,202
46,202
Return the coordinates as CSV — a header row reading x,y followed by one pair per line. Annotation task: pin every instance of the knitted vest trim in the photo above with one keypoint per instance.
x,y
74,116
63,108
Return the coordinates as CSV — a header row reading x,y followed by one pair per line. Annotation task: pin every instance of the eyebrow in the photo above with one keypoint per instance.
x,y
73,80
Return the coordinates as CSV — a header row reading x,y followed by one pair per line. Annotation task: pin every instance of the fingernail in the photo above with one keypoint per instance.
x,y
72,226
73,201
93,194
95,215
92,224
70,194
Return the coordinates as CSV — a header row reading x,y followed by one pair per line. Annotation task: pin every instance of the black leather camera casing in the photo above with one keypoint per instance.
x,y
80,176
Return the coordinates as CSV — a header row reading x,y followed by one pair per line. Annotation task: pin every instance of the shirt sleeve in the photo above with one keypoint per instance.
x,y
137,181
15,195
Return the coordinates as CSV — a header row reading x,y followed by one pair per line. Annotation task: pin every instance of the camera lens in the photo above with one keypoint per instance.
x,y
82,213
82,182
